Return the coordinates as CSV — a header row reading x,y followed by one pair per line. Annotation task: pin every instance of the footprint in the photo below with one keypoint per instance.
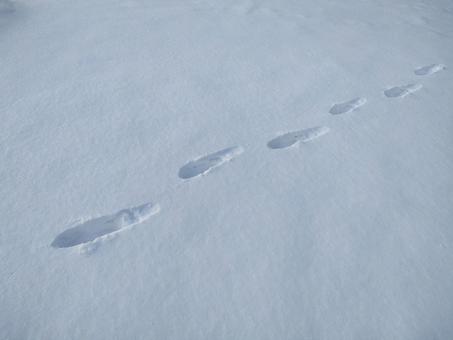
x,y
205,164
348,106
104,226
430,69
402,91
292,138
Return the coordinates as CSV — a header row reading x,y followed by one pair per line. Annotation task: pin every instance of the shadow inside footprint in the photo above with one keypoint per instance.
x,y
291,138
429,69
348,106
97,227
205,164
402,91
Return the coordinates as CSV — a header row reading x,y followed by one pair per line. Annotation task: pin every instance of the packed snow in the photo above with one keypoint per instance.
x,y
226,169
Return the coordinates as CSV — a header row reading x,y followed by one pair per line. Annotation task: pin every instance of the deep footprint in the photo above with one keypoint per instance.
x,y
430,69
402,91
348,106
291,138
92,229
205,164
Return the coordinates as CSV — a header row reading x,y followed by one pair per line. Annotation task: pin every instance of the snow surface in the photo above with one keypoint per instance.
x,y
345,236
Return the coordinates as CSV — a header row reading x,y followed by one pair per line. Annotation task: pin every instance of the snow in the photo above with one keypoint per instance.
x,y
108,104
6,6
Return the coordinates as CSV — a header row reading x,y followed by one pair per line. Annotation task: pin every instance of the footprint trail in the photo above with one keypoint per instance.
x,y
291,138
348,106
402,91
429,69
91,233
205,164
96,228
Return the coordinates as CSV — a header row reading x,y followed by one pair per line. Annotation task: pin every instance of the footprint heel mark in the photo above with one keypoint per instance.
x,y
205,164
348,106
429,69
301,136
103,226
402,91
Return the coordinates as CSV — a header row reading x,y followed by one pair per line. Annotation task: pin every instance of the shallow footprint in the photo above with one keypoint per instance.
x,y
105,225
429,69
205,164
291,138
402,91
348,106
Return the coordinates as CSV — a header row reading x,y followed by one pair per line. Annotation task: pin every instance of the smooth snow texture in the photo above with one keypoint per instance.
x,y
402,91
104,225
292,138
348,106
205,164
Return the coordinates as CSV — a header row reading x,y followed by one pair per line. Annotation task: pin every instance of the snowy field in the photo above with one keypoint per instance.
x,y
226,169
